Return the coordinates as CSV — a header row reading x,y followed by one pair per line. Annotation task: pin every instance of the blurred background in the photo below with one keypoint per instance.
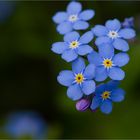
x,y
30,97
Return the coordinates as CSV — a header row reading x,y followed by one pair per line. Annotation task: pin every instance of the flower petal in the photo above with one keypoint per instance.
x,y
80,25
118,95
78,65
60,17
106,107
69,55
86,37
74,92
121,59
65,78
59,47
121,45
127,33
86,14
106,51
100,74
64,27
84,49
95,58
100,89
95,103
74,7
88,87
72,36
113,25
100,30
112,85
116,73
102,40
89,72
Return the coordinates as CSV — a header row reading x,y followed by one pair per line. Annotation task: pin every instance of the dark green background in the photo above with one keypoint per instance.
x,y
28,71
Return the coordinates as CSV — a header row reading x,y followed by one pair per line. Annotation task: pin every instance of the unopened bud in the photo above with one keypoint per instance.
x,y
83,104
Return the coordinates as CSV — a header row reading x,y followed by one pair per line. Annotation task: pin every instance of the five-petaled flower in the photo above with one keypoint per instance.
x,y
73,18
105,94
79,81
112,33
107,63
73,45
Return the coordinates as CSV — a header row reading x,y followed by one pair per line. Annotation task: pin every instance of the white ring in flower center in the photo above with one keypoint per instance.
x,y
74,44
73,18
113,34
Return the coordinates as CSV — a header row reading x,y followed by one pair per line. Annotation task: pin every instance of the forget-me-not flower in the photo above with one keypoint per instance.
x,y
73,19
22,124
105,94
107,63
73,45
79,81
112,33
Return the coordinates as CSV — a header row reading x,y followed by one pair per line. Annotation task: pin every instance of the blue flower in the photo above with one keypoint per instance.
x,y
79,81
73,19
21,124
73,45
107,63
128,22
112,33
105,94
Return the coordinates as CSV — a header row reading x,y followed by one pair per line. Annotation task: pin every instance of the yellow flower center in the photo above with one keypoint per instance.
x,y
107,63
105,95
79,78
74,44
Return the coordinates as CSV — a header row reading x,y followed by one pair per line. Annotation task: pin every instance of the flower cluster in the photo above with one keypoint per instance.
x,y
91,65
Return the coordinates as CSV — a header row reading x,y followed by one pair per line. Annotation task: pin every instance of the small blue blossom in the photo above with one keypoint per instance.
x,y
73,45
112,33
79,81
73,19
105,94
128,22
21,124
107,63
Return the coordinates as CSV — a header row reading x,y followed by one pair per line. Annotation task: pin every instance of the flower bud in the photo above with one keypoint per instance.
x,y
128,22
83,104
